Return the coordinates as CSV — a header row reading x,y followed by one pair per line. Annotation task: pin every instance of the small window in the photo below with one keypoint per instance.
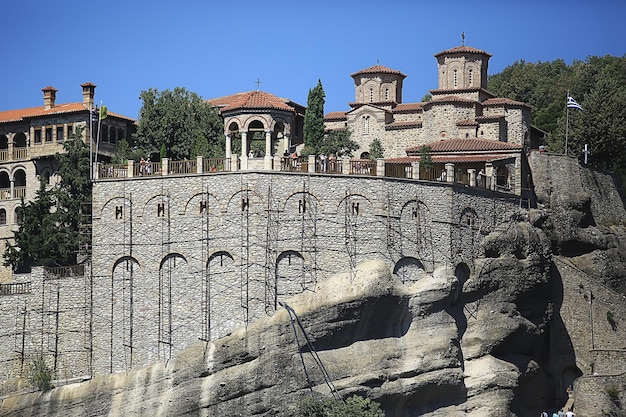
x,y
386,94
48,134
161,210
371,95
471,77
70,130
366,125
60,137
456,79
37,135
3,217
18,215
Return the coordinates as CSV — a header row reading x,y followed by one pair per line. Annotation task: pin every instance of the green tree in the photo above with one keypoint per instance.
x,y
376,149
49,231
29,246
354,406
314,118
182,122
426,160
338,142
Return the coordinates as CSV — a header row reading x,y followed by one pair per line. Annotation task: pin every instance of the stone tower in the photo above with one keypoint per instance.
x,y
378,84
462,68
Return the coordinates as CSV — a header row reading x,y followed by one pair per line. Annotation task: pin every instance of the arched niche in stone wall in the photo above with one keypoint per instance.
x,y
246,200
415,231
176,305
465,239
123,273
409,269
202,204
302,203
224,292
292,275
159,206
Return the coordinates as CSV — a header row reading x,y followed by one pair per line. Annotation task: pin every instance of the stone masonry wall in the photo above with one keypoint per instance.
x,y
182,258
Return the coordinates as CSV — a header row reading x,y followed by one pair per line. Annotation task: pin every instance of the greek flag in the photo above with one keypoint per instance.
x,y
571,104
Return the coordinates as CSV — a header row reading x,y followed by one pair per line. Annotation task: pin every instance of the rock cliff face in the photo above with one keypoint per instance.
x,y
495,340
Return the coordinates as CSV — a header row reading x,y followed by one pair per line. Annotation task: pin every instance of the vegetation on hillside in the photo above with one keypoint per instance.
x,y
598,84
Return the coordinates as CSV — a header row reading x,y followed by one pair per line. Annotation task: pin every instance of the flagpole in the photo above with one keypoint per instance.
x,y
566,122
95,157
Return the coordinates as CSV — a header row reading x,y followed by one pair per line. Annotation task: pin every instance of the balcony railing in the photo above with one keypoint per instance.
x,y
406,170
19,192
20,153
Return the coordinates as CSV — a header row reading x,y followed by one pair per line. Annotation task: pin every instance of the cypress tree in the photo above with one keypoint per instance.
x,y
314,118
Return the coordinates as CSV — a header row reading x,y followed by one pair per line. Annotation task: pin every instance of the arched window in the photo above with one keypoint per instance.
x,y
456,78
366,125
386,94
470,77
3,217
371,95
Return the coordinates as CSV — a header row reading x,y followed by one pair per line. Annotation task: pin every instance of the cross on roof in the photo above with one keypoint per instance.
x,y
258,85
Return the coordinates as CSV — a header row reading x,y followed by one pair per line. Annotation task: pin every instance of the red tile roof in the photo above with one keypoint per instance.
x,y
378,69
497,101
451,99
251,100
462,50
21,114
403,125
453,158
489,118
468,145
17,115
336,116
408,107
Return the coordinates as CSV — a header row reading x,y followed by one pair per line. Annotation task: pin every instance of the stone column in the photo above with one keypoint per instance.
x,y
380,167
199,164
12,180
415,170
267,160
286,141
345,165
165,169
229,146
277,162
244,144
472,177
234,163
10,146
130,171
489,182
311,167
450,172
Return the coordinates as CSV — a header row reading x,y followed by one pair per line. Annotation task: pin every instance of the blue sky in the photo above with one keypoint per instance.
x,y
220,48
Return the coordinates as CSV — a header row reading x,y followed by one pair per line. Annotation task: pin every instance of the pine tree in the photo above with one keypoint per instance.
x,y
50,224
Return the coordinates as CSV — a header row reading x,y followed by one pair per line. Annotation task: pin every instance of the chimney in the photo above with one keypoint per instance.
x,y
88,93
49,95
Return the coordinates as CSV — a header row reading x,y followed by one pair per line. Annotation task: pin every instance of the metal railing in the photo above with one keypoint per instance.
x,y
113,171
398,170
362,167
183,167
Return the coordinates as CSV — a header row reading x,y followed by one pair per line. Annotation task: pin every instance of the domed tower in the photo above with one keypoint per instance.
x,y
462,68
378,84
